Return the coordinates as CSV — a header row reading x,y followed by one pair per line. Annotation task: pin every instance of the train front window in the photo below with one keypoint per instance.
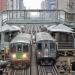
x,y
25,47
19,47
39,46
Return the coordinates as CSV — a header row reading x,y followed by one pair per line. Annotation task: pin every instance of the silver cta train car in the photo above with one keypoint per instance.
x,y
46,49
20,51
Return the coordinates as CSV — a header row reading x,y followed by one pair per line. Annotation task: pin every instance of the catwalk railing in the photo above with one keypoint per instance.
x,y
65,45
34,16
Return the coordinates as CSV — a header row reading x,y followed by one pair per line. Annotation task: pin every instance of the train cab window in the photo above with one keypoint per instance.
x,y
25,48
52,46
39,46
19,47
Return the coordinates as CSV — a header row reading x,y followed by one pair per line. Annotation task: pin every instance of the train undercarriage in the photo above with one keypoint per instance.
x,y
20,64
46,61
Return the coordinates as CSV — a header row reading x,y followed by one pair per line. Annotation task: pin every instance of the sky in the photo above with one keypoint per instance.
x,y
32,4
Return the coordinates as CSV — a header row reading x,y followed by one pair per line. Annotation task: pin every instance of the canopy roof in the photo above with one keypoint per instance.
x,y
46,26
16,28
7,28
60,28
51,27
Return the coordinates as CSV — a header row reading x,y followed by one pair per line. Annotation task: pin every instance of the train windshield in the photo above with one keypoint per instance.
x,y
19,47
25,47
39,46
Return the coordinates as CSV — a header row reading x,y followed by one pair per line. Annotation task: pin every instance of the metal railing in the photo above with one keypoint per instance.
x,y
65,45
41,16
38,16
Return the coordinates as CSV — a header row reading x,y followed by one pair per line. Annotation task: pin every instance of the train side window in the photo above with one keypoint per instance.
x,y
52,46
39,46
25,48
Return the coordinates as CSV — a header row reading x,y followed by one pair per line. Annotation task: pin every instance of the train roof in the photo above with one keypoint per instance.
x,y
44,36
22,37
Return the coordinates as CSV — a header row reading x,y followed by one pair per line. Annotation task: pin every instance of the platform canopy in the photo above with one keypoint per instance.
x,y
8,28
16,27
60,28
46,26
51,27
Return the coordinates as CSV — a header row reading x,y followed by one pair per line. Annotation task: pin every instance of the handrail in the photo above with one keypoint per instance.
x,y
68,45
65,42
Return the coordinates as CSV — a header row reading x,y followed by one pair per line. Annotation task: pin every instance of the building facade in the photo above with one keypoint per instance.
x,y
69,7
21,5
3,5
66,5
11,4
48,4
43,5
15,5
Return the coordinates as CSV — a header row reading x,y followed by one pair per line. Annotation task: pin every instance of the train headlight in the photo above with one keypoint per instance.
x,y
14,56
39,53
25,55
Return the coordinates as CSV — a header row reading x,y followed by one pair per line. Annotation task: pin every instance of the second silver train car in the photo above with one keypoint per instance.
x,y
46,48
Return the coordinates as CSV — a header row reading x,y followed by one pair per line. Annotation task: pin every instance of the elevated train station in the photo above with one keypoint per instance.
x,y
55,22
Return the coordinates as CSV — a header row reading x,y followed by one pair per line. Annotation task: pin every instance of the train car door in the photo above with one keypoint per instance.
x,y
45,48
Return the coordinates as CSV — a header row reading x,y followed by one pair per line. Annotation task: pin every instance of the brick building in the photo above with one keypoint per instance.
x,y
3,5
